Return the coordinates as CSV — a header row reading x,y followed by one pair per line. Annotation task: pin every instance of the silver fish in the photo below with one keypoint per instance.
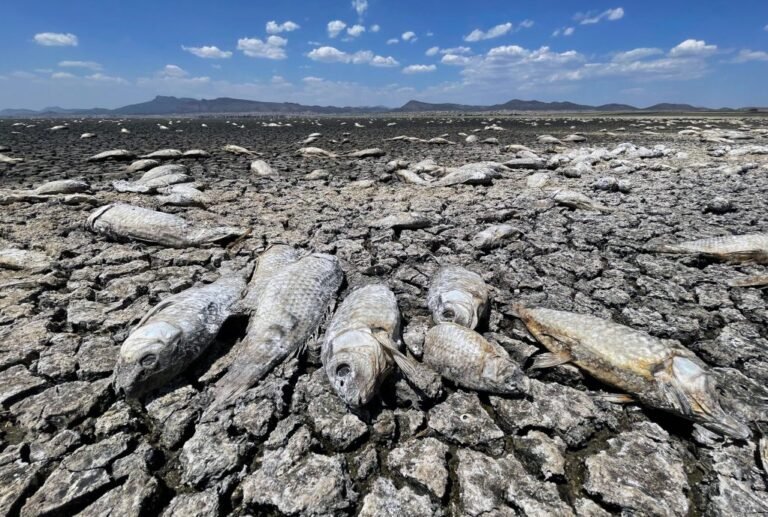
x,y
468,359
356,351
459,296
184,194
290,308
164,154
661,374
408,176
315,151
164,170
173,334
196,153
733,248
236,149
274,259
493,236
62,187
574,199
133,222
114,154
374,152
142,165
481,173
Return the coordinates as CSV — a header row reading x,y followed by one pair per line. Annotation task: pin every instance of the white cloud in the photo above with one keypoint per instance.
x,y
276,28
107,78
355,30
272,48
360,6
592,18
62,75
693,47
455,60
56,39
493,32
91,65
419,69
751,55
374,28
334,55
393,41
335,27
526,24
409,36
173,71
568,31
433,51
208,52
636,54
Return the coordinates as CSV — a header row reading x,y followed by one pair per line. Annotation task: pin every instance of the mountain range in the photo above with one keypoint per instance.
x,y
165,105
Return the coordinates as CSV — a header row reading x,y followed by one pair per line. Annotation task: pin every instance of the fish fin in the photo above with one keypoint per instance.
x,y
550,360
419,375
615,398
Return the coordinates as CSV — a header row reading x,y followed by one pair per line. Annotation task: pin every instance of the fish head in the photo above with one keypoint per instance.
x,y
691,391
509,378
456,307
356,368
146,358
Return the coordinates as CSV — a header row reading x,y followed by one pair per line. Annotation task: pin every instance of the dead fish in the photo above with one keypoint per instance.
x,y
750,281
114,154
404,221
196,153
459,296
173,334
261,168
88,135
574,199
493,236
273,260
315,151
732,248
408,176
8,159
395,165
468,359
290,308
142,165
18,259
440,141
22,196
236,149
359,345
548,139
481,173
164,170
661,374
123,221
367,153
152,185
58,128
183,195
163,154
317,174
62,187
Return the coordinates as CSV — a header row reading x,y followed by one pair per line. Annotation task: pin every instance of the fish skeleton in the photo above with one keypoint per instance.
x,y
468,359
290,307
458,295
173,334
661,374
732,248
133,222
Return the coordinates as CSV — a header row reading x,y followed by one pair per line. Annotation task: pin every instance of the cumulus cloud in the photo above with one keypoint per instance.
x,y
56,39
693,47
335,27
208,52
272,48
393,41
432,51
493,32
455,60
419,69
91,65
360,6
276,28
636,54
334,55
355,30
409,36
526,24
751,55
591,18
565,31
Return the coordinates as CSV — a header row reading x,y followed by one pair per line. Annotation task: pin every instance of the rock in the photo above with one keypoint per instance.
x,y
640,472
548,454
16,382
297,481
414,333
18,479
423,462
133,498
333,421
719,205
210,455
198,504
60,405
385,500
462,419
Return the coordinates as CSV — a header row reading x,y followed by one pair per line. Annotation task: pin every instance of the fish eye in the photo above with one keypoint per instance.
x,y
148,361
449,314
342,370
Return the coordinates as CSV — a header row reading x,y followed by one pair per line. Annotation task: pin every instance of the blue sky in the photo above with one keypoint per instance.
x,y
108,53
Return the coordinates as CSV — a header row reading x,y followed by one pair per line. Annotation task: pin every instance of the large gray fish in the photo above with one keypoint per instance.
x,y
468,359
173,334
133,222
733,248
458,295
290,308
62,187
662,374
356,351
114,154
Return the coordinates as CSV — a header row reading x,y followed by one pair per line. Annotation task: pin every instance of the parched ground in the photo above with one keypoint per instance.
x,y
69,445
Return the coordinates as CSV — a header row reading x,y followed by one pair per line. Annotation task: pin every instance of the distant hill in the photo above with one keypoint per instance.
x,y
166,105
